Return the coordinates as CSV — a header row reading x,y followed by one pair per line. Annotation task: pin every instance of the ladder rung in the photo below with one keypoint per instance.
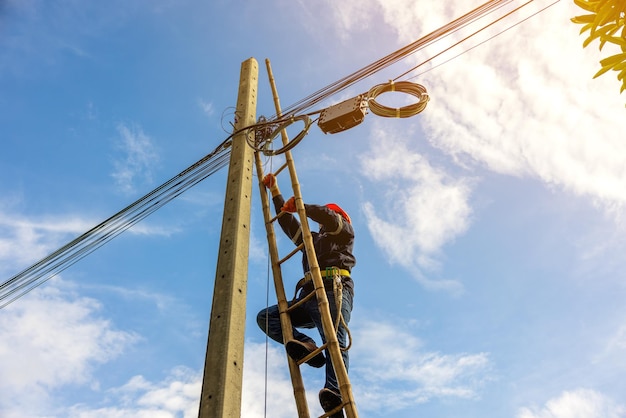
x,y
334,411
311,354
276,217
291,254
301,301
281,168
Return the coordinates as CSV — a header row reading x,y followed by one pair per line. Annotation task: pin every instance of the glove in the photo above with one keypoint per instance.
x,y
269,181
289,205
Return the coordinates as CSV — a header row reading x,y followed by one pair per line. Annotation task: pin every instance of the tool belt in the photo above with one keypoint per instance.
x,y
306,283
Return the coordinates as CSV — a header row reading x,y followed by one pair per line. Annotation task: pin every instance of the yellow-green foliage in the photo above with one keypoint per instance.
x,y
606,22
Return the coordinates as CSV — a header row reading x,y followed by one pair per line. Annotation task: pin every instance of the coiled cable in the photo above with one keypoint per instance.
x,y
414,89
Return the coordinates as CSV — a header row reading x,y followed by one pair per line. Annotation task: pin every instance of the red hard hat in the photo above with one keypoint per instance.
x,y
336,208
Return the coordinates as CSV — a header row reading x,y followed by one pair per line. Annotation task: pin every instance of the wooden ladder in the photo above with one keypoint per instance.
x,y
332,345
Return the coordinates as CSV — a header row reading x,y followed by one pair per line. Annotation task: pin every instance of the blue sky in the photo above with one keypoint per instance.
x,y
490,228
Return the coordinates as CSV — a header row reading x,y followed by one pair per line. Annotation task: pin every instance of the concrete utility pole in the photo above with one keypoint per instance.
x,y
223,368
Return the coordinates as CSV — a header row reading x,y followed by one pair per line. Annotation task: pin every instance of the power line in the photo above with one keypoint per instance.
x,y
51,265
333,88
37,274
480,43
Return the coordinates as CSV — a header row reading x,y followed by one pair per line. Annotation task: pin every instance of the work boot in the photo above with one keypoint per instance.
x,y
298,350
330,400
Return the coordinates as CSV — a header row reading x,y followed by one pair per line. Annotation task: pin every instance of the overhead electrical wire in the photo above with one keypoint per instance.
x,y
265,132
51,265
37,274
333,88
25,281
475,33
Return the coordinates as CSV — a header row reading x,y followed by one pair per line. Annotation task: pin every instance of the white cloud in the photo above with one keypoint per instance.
x,y
384,376
351,16
613,351
618,340
391,376
54,339
24,240
178,394
524,104
258,248
580,403
143,228
269,390
175,396
139,158
424,207
207,107
51,339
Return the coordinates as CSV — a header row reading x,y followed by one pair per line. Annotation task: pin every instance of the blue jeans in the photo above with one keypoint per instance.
x,y
308,316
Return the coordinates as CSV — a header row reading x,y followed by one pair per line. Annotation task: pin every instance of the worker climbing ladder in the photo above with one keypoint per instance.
x,y
332,344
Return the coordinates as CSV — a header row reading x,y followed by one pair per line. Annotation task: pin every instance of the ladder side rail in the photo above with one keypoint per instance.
x,y
285,320
324,308
327,323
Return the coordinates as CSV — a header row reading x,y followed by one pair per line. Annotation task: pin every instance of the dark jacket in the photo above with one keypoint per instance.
x,y
333,243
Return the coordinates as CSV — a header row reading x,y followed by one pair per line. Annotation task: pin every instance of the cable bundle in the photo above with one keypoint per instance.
x,y
265,132
333,88
407,87
73,251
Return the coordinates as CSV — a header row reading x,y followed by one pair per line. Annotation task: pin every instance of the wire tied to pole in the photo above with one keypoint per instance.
x,y
264,137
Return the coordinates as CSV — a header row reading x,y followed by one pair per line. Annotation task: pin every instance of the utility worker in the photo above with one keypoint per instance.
x,y
333,248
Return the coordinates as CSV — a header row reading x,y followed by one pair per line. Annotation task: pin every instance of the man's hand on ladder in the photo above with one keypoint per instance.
x,y
271,183
289,205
